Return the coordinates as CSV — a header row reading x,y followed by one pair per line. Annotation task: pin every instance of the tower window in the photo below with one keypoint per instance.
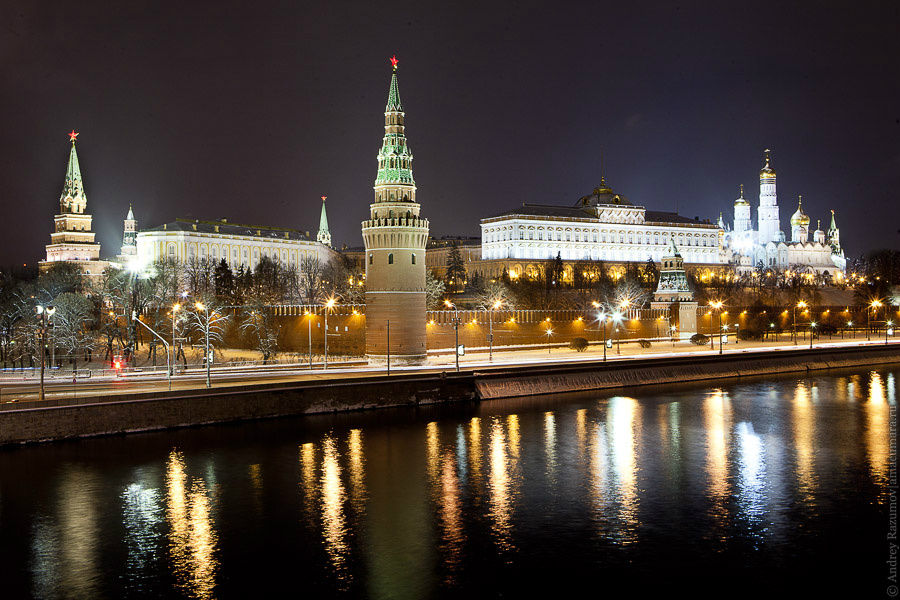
x,y
391,258
371,259
413,259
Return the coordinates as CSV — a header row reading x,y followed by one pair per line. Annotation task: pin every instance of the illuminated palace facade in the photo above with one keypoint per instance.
x,y
747,248
602,226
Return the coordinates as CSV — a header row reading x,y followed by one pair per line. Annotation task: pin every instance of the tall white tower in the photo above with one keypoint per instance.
x,y
769,223
741,213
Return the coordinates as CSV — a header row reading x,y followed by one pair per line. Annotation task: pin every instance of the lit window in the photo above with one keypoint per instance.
x,y
391,259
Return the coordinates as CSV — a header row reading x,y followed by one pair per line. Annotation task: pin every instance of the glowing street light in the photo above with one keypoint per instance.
x,y
549,333
717,306
812,330
497,304
329,304
45,312
800,304
874,305
617,320
451,305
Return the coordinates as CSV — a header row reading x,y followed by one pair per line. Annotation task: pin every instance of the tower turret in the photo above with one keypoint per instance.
x,y
741,213
72,238
323,236
769,222
129,237
834,236
818,234
395,238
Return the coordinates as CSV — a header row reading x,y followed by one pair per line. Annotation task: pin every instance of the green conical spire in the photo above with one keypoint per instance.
x,y
833,224
74,185
393,101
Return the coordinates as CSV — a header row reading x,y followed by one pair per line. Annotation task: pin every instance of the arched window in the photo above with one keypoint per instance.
x,y
371,259
391,258
413,259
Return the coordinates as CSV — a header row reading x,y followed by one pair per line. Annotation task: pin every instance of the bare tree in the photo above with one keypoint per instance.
x,y
71,323
310,280
262,325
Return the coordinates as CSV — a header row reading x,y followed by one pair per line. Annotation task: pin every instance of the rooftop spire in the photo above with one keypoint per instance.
x,y
73,198
393,101
130,216
323,236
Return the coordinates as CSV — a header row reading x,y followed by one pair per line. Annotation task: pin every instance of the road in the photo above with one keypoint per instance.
x,y
15,389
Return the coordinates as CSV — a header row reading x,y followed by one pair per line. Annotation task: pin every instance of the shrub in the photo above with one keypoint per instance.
x,y
699,339
578,344
644,343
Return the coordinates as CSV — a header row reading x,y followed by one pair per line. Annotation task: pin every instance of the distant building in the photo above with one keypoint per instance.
x,y
438,250
239,245
72,240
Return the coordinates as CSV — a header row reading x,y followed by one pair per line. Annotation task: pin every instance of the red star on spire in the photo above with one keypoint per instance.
x,y
323,198
72,135
394,61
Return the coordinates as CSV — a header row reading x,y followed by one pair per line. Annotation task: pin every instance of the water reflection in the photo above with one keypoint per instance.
x,y
334,527
877,413
623,431
142,516
751,473
804,439
357,470
500,494
550,443
192,537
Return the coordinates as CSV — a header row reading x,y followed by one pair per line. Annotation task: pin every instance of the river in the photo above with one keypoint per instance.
x,y
750,488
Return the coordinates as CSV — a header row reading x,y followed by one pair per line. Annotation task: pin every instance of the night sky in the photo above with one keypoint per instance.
x,y
232,110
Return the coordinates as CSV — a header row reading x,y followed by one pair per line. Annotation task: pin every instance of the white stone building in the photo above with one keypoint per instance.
x,y
601,226
240,245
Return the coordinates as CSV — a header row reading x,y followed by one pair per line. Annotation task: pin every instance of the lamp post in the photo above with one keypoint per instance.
x,y
672,330
328,305
455,330
717,306
722,328
887,326
875,304
812,330
175,309
800,304
617,318
601,317
309,328
494,306
134,317
45,312
549,333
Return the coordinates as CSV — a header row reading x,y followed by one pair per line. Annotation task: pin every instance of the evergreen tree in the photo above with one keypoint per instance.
x,y
651,273
456,269
224,281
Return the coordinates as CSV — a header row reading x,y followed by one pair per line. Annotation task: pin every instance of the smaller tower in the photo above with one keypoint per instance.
x,y
818,234
799,224
767,214
741,213
129,237
324,236
834,236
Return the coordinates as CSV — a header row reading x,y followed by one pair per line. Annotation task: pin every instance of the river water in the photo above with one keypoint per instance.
x,y
754,488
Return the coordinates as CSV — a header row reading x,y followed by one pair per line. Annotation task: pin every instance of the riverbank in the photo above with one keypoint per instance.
x,y
126,413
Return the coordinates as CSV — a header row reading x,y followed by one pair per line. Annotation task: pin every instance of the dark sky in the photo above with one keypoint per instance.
x,y
253,112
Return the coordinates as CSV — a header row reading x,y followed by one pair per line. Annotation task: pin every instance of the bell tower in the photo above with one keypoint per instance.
x,y
395,237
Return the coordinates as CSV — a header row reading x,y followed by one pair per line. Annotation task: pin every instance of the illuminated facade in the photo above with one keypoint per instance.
x,y
602,226
395,237
747,248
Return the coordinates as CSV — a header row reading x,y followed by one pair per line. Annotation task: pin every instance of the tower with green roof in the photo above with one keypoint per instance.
x,y
395,237
72,239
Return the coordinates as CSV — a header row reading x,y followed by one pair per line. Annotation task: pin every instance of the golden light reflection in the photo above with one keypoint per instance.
x,y
308,475
78,534
499,487
877,414
432,451
453,535
192,537
623,423
804,435
334,526
475,451
581,430
717,416
512,425
550,441
357,471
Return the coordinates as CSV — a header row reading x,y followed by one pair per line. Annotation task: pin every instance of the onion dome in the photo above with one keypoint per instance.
x,y
800,218
767,172
740,201
818,230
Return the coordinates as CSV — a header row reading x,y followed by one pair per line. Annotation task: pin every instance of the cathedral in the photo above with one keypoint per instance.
x,y
747,248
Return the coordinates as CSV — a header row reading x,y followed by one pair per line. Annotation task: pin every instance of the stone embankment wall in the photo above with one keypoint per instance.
x,y
163,410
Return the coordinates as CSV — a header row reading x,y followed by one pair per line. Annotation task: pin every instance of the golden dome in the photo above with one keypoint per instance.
x,y
767,172
741,201
800,218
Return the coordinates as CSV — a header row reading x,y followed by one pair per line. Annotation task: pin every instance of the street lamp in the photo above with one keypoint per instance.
x,y
206,326
617,319
549,333
309,327
812,330
875,304
456,330
328,306
800,304
722,328
494,306
175,308
888,326
672,330
717,305
45,312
